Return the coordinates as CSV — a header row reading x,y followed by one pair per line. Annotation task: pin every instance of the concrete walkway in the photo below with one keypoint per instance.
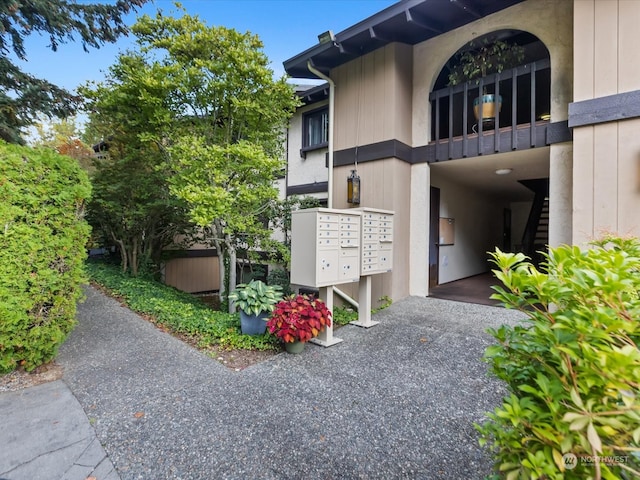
x,y
395,401
46,435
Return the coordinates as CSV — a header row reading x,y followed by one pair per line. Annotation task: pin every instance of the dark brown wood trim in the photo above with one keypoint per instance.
x,y
317,187
611,108
543,134
372,152
485,144
198,253
559,132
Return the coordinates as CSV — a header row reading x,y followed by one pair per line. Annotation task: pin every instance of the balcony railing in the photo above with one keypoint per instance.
x,y
526,94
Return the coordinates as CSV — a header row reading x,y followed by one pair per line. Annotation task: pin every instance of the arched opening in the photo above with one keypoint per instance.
x,y
524,89
491,177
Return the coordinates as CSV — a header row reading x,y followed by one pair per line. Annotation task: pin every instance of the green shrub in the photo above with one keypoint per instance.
x,y
280,277
42,250
342,315
179,311
573,368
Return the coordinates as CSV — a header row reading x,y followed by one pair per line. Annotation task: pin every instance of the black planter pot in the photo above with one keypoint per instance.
x,y
253,324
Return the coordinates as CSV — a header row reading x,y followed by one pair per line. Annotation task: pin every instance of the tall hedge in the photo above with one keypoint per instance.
x,y
42,252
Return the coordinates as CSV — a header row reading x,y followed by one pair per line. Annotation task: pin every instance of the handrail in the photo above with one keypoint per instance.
x,y
518,71
449,127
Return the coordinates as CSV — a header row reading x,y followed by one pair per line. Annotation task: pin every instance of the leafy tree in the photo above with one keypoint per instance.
x,y
205,97
226,168
131,205
24,97
64,137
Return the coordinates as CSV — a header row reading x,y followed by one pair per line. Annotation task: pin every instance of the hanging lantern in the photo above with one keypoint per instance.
x,y
353,188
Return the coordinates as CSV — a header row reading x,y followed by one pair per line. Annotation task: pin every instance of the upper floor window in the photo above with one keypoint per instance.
x,y
315,129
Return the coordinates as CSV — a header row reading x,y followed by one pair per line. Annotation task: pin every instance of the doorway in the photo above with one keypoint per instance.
x,y
434,235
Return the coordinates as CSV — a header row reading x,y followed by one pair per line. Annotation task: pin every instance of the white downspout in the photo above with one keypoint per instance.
x,y
332,89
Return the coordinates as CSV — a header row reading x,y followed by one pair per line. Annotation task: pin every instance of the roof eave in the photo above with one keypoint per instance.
x,y
369,34
299,62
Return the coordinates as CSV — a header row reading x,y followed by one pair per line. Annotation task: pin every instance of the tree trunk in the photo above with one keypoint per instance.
x,y
123,253
232,271
221,270
134,257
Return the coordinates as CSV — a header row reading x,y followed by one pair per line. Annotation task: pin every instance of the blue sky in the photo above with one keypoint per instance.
x,y
286,27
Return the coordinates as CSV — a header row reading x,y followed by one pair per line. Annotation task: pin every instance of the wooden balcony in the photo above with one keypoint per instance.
x,y
523,121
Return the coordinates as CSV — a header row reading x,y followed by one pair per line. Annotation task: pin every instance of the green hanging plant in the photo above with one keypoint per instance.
x,y
483,57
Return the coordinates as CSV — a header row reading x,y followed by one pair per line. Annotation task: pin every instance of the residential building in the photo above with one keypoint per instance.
x,y
307,144
559,163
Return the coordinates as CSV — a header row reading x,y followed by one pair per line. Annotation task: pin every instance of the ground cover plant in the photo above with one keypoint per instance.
x,y
573,368
180,312
217,333
42,252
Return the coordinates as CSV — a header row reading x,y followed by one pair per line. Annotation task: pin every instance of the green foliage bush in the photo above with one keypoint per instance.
x,y
42,251
343,315
280,277
573,368
179,311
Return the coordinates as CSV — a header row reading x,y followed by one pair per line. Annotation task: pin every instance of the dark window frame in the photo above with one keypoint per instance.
x,y
306,118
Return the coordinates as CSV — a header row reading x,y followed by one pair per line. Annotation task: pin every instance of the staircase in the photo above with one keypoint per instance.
x,y
536,233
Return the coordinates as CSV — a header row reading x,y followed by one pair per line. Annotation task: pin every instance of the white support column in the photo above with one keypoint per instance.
x,y
326,338
364,308
560,194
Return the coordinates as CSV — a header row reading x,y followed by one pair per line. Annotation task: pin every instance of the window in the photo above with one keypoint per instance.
x,y
315,129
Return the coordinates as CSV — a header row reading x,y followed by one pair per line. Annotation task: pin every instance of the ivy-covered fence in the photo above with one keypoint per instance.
x,y
42,250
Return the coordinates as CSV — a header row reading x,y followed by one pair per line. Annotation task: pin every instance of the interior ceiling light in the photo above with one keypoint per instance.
x,y
504,171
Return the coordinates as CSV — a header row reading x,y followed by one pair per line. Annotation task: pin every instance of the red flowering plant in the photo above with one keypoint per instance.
x,y
299,318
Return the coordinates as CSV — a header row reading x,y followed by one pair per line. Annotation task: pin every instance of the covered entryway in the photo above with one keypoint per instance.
x,y
485,203
475,289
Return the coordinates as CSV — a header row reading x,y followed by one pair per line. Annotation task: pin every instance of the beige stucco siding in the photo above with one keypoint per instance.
x,y
373,98
629,55
607,58
606,156
607,177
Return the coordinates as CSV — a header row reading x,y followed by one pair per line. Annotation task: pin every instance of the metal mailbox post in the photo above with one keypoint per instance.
x,y
331,246
376,257
325,251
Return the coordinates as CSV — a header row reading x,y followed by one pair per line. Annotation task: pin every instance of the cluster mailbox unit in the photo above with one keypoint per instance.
x,y
331,246
377,241
325,247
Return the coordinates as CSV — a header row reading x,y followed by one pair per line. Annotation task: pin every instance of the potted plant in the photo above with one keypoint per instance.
x,y
297,319
478,60
256,301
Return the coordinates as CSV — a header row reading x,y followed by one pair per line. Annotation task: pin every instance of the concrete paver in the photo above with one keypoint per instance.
x,y
46,435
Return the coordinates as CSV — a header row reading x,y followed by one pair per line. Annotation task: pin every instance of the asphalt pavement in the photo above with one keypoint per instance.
x,y
395,401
